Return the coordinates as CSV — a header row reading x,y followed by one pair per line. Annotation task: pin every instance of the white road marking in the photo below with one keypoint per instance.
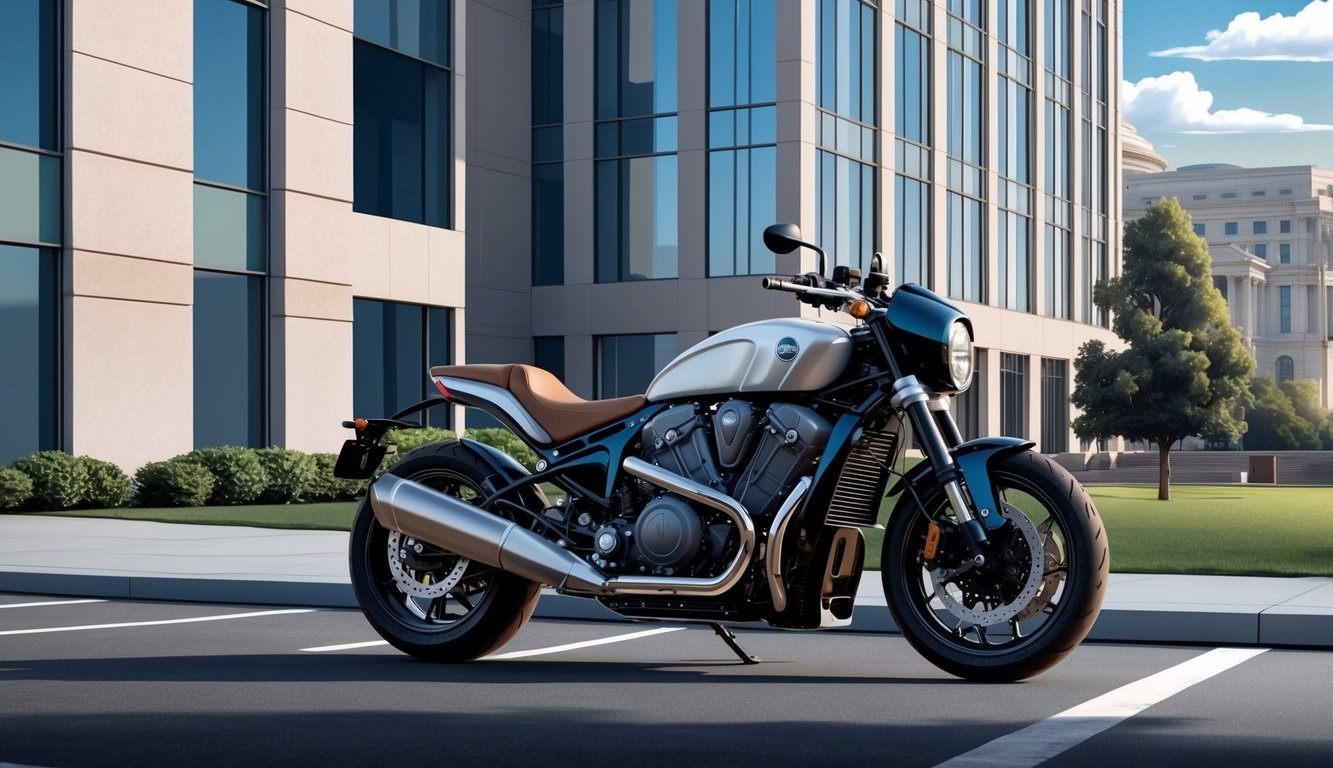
x,y
1042,741
583,644
344,647
517,654
160,623
48,602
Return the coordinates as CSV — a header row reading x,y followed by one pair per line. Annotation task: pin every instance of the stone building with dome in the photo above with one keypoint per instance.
x,y
1270,234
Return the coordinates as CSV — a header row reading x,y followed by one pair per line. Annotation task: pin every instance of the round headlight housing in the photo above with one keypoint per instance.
x,y
959,355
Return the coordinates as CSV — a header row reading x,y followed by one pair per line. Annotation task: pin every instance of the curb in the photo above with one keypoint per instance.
x,y
1279,626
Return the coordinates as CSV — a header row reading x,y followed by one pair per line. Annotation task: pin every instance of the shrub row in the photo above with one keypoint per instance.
x,y
54,481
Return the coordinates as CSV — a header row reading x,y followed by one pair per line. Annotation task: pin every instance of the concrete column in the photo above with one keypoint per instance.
x,y
129,208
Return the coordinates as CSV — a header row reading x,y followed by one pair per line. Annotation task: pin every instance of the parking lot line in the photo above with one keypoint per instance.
x,y
582,644
49,602
159,623
1042,741
344,647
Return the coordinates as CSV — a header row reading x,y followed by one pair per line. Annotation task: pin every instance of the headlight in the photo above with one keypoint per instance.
x,y
960,356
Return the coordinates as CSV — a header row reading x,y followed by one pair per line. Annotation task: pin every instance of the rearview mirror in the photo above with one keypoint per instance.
x,y
782,238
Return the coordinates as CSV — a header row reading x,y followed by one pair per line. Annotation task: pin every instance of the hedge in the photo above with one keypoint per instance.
x,y
59,481
15,488
174,483
108,485
238,477
288,474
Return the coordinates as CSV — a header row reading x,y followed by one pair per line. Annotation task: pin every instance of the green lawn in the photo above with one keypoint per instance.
x,y
1204,529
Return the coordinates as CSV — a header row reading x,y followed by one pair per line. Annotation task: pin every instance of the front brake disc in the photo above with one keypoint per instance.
x,y
950,592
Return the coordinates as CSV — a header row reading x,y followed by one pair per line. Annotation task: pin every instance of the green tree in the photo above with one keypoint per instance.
x,y
1281,418
1185,367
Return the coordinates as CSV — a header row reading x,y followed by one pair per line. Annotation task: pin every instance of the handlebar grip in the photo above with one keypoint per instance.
x,y
794,285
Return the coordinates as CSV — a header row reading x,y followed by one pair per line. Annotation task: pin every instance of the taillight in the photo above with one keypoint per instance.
x,y
440,386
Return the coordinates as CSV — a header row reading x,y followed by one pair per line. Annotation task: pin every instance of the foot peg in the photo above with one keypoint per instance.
x,y
729,638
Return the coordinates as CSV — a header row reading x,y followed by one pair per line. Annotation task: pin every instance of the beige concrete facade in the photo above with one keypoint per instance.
x,y
128,263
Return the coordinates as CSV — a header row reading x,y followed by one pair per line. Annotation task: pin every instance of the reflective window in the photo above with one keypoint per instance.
x,y
1284,226
1284,309
912,234
229,229
627,364
742,162
1220,283
418,28
548,223
1054,406
1014,123
1199,230
228,359
848,158
1260,227
1013,395
230,223
846,59
1012,24
636,58
636,186
966,250
1261,250
967,405
394,346
912,89
637,233
28,79
1057,272
548,151
401,138
548,353
229,93
29,196
1284,253
742,52
29,313
1230,228
1286,369
1057,37
1015,261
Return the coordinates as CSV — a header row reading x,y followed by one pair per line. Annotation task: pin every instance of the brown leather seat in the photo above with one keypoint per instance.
x,y
560,412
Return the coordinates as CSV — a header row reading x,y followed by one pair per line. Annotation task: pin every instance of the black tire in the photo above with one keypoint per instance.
x,y
480,612
1073,575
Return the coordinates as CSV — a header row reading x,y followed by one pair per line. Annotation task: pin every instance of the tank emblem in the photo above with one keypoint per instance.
x,y
787,349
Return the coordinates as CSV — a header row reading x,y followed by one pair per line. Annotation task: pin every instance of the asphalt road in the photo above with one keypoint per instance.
x,y
93,683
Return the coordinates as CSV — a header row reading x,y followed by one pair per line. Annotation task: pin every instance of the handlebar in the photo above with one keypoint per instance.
x,y
799,285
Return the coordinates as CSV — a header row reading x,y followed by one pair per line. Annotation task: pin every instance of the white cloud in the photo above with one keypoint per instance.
x,y
1174,104
1306,36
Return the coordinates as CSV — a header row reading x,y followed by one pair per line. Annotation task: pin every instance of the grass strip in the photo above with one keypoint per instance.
x,y
1227,529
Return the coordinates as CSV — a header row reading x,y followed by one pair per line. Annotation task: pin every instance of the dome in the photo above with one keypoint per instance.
x,y
1136,153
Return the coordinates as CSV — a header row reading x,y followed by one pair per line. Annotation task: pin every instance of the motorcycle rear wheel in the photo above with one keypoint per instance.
x,y
985,624
425,600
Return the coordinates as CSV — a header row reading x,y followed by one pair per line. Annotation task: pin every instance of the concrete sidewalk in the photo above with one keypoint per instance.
x,y
157,561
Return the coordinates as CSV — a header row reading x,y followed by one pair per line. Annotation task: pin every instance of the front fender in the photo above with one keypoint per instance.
x,y
973,459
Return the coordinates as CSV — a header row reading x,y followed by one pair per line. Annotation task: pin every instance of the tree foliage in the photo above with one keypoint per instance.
x,y
1185,367
1286,417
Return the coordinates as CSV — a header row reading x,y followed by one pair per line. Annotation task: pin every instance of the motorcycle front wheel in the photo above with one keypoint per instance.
x,y
1034,599
422,598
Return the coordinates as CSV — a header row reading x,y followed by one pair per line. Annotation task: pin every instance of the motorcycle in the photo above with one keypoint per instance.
x,y
735,489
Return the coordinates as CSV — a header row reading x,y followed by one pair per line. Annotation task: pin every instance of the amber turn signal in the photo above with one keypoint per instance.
x,y
932,547
360,425
859,309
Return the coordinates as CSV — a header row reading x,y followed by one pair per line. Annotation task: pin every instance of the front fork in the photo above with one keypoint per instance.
x,y
960,468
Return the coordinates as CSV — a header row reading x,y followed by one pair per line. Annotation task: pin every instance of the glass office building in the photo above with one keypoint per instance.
x,y
974,144
253,219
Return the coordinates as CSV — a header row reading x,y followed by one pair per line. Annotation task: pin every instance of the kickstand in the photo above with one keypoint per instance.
x,y
730,639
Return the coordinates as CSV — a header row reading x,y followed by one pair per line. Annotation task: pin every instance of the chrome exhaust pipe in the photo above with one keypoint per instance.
x,y
469,531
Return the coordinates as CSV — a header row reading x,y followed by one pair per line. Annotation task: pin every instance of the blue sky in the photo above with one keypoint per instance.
x,y
1268,65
